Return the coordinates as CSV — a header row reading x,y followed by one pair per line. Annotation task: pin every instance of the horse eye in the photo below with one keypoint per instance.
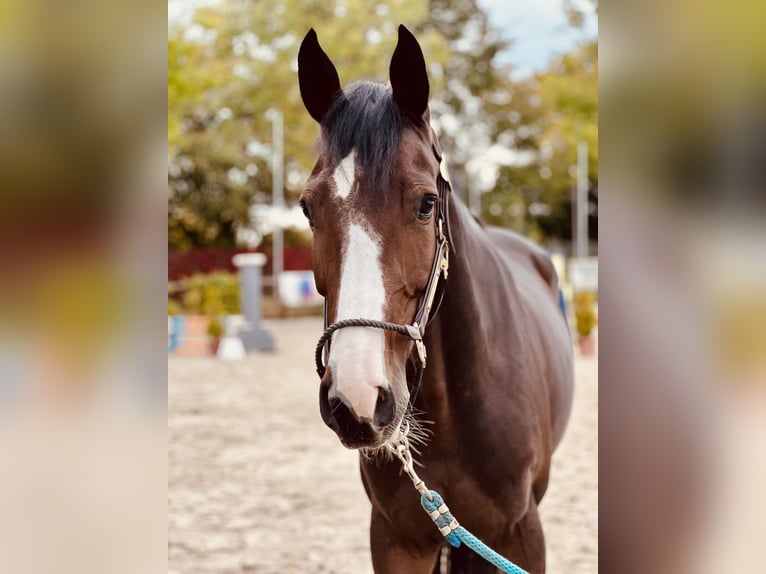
x,y
307,212
425,209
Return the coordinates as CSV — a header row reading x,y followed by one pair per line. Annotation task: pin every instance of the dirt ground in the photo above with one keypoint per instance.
x,y
258,484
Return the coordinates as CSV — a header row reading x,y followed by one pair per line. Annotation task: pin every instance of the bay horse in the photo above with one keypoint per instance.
x,y
497,392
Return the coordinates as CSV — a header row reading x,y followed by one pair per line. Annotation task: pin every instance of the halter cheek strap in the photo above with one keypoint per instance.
x,y
426,310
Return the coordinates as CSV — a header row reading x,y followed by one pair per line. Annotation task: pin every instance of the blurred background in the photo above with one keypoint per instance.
x,y
86,173
513,99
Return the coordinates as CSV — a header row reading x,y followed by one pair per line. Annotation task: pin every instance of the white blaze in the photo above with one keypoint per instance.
x,y
344,176
357,353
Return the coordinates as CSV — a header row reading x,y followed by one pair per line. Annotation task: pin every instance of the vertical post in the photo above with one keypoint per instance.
x,y
278,198
250,294
581,249
573,199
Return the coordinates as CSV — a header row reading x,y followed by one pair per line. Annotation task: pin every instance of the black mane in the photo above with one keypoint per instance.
x,y
367,119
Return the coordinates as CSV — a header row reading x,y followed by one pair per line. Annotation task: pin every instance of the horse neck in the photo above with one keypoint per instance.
x,y
478,288
477,277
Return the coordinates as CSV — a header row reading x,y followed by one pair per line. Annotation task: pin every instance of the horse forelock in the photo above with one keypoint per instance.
x,y
367,121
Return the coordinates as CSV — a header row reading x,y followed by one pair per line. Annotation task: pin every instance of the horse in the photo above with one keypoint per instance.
x,y
496,395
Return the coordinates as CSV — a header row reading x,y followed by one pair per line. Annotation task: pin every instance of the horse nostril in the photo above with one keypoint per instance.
x,y
341,417
384,408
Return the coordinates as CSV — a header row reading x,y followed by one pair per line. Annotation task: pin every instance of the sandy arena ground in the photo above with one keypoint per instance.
x,y
259,485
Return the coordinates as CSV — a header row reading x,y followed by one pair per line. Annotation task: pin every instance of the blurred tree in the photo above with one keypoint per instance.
x,y
238,59
575,11
471,87
550,113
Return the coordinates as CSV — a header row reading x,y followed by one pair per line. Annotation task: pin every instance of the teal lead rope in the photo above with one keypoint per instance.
x,y
456,534
434,506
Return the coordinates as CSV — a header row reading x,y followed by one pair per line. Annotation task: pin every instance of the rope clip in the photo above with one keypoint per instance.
x,y
401,449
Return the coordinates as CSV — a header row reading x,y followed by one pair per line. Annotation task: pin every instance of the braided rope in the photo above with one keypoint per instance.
x,y
487,553
456,534
401,329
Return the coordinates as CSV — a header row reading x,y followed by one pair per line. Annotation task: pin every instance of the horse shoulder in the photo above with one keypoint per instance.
x,y
522,253
546,333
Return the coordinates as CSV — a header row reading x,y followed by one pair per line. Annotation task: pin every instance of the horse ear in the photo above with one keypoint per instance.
x,y
409,79
317,77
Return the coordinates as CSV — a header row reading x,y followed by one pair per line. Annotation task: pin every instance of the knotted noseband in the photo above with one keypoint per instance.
x,y
416,330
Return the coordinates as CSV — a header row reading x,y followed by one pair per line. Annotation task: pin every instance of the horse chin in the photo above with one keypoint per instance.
x,y
372,446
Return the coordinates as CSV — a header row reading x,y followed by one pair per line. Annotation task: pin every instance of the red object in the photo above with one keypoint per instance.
x,y
588,346
207,260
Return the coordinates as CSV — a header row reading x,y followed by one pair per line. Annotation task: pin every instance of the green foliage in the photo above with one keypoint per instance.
x,y
239,60
213,295
551,112
468,84
174,307
575,13
221,87
585,314
215,327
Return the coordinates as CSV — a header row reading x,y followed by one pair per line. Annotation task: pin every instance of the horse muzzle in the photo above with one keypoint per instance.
x,y
361,420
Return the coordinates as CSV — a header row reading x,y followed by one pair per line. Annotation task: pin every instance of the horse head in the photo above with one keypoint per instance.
x,y
373,202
